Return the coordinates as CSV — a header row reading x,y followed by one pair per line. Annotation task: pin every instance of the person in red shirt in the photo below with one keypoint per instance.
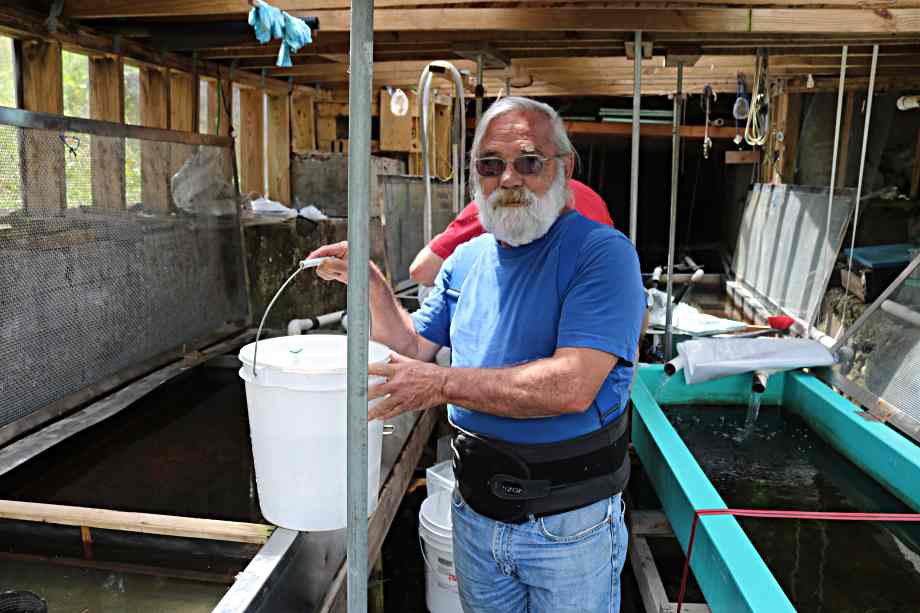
x,y
466,226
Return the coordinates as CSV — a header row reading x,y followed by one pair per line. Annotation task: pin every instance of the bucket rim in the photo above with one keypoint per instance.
x,y
265,365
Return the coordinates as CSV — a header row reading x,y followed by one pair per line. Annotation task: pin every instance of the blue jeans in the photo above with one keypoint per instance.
x,y
570,562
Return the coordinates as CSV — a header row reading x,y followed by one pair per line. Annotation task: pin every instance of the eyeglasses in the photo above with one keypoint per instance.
x,y
524,165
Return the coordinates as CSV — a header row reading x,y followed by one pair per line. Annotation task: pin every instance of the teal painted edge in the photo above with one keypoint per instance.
x,y
734,390
732,575
886,455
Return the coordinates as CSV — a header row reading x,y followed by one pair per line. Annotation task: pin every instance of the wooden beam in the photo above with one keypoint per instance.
x,y
915,175
817,21
790,145
843,154
651,589
42,156
279,149
183,115
146,523
303,125
649,523
252,146
332,15
30,25
390,496
107,102
646,130
183,103
219,120
155,157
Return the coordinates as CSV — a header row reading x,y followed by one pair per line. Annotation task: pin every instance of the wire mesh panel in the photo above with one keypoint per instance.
x,y
784,252
883,354
404,213
89,285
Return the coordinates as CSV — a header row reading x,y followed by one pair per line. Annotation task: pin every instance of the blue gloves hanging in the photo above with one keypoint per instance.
x,y
270,23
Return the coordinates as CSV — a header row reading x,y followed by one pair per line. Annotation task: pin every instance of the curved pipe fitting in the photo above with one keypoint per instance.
x,y
759,382
670,368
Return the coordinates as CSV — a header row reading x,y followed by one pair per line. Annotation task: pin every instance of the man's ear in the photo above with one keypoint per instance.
x,y
569,166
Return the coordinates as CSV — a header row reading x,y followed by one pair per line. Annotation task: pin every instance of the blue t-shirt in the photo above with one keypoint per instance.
x,y
579,285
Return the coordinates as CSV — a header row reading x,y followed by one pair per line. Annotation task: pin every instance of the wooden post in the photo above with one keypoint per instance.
x,y
183,115
443,160
252,157
219,119
303,122
790,144
107,103
915,175
44,183
155,161
844,152
279,149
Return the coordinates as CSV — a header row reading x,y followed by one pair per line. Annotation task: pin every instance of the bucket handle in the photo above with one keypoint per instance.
x,y
428,563
302,265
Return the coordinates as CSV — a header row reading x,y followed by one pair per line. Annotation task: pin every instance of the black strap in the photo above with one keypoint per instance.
x,y
497,481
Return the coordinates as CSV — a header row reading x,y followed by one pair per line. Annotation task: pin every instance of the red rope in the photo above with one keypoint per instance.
x,y
833,516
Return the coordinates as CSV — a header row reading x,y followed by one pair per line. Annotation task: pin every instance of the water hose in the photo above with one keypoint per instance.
x,y
756,129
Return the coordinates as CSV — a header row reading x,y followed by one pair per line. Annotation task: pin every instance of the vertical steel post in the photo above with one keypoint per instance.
x,y
359,181
672,228
634,169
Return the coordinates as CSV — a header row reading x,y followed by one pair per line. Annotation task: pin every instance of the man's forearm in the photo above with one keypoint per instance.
x,y
543,388
390,323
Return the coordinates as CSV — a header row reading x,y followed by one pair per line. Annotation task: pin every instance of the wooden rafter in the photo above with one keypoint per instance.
x,y
107,9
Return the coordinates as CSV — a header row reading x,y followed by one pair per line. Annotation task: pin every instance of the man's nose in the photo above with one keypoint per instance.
x,y
510,177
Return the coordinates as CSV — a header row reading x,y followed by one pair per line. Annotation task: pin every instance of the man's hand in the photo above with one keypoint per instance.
x,y
335,268
411,386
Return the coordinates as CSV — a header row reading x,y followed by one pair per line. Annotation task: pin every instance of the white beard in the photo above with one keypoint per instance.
x,y
519,225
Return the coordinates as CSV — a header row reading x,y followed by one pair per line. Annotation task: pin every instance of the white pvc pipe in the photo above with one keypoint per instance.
x,y
299,326
460,117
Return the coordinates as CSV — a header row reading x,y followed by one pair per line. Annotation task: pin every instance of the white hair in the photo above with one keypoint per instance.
x,y
523,105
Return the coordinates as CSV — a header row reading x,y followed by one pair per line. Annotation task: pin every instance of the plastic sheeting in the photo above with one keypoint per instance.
x,y
708,359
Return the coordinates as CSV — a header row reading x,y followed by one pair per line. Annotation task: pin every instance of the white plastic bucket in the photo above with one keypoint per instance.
x,y
297,422
435,539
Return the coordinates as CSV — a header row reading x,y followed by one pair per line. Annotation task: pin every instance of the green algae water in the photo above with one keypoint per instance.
x,y
823,566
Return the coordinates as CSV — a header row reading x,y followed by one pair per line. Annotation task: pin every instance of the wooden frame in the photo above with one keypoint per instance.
x,y
651,588
252,144
146,523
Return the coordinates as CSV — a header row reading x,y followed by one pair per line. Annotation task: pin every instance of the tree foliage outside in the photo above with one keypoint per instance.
x,y
77,150
10,187
132,146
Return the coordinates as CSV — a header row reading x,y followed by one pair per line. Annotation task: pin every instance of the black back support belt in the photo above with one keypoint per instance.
x,y
509,482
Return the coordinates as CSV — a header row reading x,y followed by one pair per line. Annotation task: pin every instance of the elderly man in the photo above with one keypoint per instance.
x,y
466,226
543,317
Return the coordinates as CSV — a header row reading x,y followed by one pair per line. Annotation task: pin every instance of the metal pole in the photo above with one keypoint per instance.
x,y
359,181
675,160
634,172
830,192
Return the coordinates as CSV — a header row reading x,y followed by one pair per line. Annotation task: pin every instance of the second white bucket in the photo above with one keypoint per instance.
x,y
297,422
436,540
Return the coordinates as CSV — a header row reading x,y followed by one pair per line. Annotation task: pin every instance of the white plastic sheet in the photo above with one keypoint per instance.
x,y
708,359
